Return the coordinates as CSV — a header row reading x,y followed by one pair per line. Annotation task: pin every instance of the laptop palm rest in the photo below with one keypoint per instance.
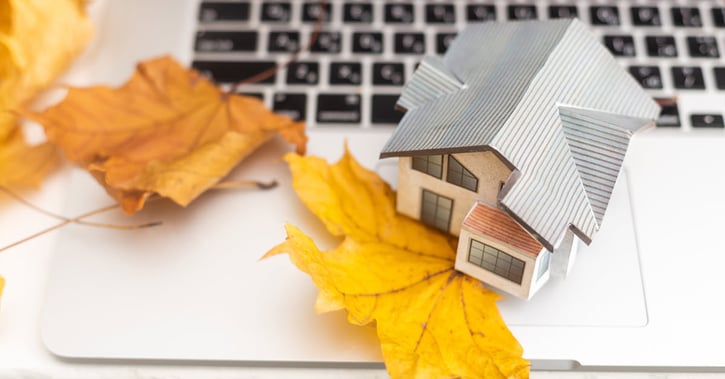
x,y
194,288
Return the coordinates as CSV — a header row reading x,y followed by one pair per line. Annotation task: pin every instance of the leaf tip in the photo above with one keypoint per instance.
x,y
268,185
284,247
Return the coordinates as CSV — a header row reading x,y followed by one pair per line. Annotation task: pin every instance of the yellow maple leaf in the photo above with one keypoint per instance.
x,y
398,274
168,131
22,165
38,41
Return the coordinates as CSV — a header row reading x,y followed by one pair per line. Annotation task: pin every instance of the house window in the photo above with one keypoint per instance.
x,y
544,259
460,176
496,261
436,210
429,164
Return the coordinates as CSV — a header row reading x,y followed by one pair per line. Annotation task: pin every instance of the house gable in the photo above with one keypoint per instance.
x,y
441,175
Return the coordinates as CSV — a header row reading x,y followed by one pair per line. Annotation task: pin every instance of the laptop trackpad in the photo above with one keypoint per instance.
x,y
194,288
604,287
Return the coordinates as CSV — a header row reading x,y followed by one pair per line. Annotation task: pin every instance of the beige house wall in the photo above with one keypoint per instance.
x,y
485,166
529,285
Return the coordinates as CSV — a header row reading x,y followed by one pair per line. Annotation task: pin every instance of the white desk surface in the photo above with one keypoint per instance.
x,y
22,354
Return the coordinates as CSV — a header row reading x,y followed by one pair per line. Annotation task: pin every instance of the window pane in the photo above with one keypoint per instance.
x,y
436,210
504,258
497,261
445,203
429,164
460,176
419,163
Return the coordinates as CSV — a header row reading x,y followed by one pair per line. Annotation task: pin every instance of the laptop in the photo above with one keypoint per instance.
x,y
643,295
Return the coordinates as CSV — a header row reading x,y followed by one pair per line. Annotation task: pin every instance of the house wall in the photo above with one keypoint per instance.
x,y
529,285
486,166
564,255
538,283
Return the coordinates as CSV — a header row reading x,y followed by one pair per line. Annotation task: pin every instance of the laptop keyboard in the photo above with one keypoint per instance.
x,y
352,75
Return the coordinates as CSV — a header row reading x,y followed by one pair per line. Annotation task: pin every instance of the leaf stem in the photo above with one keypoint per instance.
x,y
56,216
293,58
245,183
65,221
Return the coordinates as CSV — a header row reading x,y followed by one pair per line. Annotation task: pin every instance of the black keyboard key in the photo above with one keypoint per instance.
x,y
688,77
226,41
604,15
311,11
338,108
383,110
718,17
212,11
443,40
646,16
345,73
409,43
388,74
399,13
620,46
361,13
709,120
670,114
719,77
327,42
293,105
703,47
232,72
563,11
522,12
440,13
686,16
367,42
257,95
649,77
283,42
301,72
480,12
276,11
661,46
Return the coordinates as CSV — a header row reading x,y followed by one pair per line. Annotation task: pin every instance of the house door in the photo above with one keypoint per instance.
x,y
435,210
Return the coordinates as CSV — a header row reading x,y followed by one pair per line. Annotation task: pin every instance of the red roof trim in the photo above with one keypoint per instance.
x,y
498,225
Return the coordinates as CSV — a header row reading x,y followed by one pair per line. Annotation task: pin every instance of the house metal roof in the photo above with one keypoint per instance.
x,y
496,224
549,99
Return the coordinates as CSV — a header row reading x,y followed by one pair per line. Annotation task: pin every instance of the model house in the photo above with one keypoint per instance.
x,y
513,141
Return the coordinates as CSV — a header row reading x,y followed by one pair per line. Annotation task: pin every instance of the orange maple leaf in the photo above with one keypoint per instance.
x,y
398,274
168,131
38,41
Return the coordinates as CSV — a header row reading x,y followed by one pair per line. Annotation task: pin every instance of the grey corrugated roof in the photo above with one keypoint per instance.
x,y
598,146
431,80
516,77
472,116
